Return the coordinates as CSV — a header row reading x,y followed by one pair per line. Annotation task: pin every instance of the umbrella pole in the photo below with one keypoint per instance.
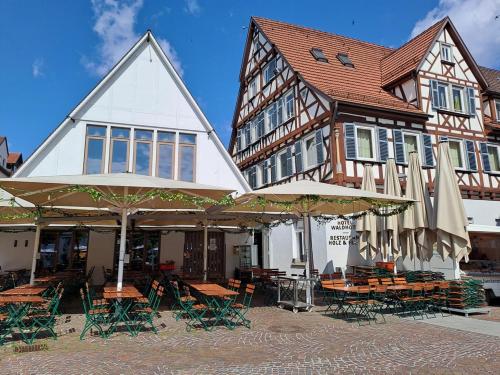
x,y
205,251
123,242
35,252
307,245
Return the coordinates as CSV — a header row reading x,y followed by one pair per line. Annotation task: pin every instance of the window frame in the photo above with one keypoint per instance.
x,y
497,109
151,145
450,49
268,79
462,153
174,152
111,147
279,170
488,145
373,142
305,159
252,93
182,145
104,147
461,89
419,143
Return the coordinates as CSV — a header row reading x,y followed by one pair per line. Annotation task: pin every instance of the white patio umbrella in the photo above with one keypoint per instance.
x,y
391,224
367,225
449,213
309,198
124,193
417,237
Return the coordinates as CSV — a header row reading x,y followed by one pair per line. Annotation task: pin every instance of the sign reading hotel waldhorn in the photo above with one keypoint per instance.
x,y
341,243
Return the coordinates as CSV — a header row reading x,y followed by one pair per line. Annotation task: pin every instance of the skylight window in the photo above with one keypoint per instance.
x,y
318,54
345,60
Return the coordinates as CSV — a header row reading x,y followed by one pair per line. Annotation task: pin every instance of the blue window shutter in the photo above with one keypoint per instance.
x,y
484,155
265,179
298,157
428,156
319,146
471,155
434,94
273,168
399,146
289,164
471,101
350,141
383,144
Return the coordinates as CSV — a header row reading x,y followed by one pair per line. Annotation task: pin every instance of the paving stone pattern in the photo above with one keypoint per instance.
x,y
279,342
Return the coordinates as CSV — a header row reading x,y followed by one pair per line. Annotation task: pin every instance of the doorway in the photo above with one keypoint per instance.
x,y
193,254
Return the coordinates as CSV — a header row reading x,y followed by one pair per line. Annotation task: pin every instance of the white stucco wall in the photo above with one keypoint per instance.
x,y
16,257
100,254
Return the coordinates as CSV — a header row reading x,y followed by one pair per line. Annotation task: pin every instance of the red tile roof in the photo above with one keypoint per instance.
x,y
13,157
359,85
492,77
407,58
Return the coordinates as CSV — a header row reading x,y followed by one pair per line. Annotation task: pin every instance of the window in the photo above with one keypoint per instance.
x,y
457,98
247,130
95,149
410,144
272,117
446,53
262,174
252,88
143,152
165,155
252,177
453,98
299,241
60,250
119,150
283,167
289,105
497,107
187,157
270,71
318,54
260,123
144,251
364,141
494,158
456,153
345,60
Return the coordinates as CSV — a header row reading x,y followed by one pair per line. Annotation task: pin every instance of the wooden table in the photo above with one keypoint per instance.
x,y
24,290
122,301
20,299
215,298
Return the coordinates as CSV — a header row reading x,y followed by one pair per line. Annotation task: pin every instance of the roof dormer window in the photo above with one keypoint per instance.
x,y
345,60
319,55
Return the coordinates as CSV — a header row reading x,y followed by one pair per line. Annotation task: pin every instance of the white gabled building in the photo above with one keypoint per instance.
x,y
140,118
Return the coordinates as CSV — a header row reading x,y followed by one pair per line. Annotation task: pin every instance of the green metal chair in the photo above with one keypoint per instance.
x,y
96,318
188,307
240,310
45,320
143,315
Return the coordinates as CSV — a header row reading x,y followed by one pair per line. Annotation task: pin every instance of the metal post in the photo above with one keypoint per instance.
x,y
205,251
121,256
456,269
307,248
35,252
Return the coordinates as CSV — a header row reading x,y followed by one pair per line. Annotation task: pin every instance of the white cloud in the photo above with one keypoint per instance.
x,y
115,25
477,22
192,7
171,54
37,68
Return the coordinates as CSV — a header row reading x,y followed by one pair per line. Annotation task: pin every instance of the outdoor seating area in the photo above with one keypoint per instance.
x,y
387,295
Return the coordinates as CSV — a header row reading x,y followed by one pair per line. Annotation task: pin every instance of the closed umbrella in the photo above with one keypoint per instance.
x,y
449,212
309,198
418,237
124,193
391,224
367,225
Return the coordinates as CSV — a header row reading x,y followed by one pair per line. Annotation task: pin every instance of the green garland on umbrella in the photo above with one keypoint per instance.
x,y
199,202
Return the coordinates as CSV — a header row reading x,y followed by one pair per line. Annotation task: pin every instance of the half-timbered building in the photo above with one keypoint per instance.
x,y
315,105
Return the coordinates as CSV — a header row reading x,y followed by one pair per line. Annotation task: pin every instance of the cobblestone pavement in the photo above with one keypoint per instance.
x,y
279,342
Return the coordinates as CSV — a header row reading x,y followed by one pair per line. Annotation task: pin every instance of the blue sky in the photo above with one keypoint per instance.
x,y
54,52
